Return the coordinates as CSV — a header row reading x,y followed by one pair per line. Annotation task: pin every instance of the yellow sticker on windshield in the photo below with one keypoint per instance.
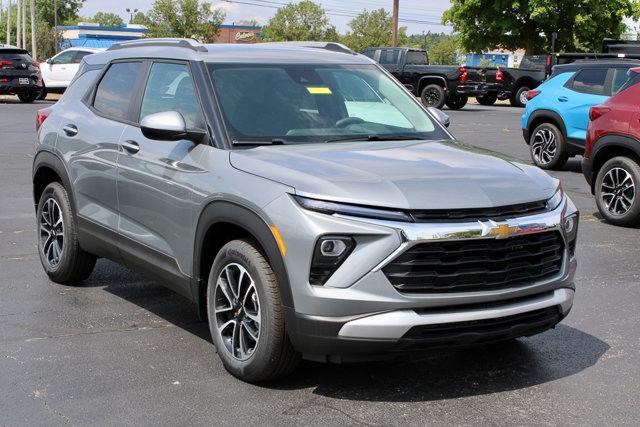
x,y
319,90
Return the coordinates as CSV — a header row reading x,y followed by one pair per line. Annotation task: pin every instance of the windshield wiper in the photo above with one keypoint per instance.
x,y
274,141
376,138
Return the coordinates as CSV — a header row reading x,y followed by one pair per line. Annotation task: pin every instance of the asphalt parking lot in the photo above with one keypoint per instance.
x,y
121,349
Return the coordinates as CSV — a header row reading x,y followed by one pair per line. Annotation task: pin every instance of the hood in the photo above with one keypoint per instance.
x,y
399,174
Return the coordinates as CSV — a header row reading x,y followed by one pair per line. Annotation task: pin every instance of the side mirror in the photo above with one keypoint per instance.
x,y
440,116
50,61
168,126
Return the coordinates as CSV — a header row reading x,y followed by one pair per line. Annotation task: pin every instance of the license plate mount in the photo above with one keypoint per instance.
x,y
24,81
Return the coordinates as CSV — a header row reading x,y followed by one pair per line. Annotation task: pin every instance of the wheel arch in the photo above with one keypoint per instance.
x,y
539,117
47,168
525,81
221,222
431,79
610,146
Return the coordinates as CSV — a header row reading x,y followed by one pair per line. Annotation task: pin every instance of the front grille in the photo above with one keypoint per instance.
x,y
496,213
482,331
476,265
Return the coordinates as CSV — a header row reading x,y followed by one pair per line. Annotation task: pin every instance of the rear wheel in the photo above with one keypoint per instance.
x,y
489,98
547,147
29,97
246,316
616,191
456,102
519,97
63,259
433,96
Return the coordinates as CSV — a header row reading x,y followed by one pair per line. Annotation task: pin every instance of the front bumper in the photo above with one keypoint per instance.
x,y
359,313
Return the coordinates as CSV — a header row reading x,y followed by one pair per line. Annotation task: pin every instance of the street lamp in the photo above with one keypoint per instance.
x,y
131,13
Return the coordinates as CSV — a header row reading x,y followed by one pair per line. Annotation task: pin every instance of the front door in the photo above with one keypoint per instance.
x,y
59,69
154,177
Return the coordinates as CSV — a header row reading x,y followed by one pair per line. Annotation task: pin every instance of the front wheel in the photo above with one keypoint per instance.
x,y
246,316
547,147
29,97
433,96
519,97
61,256
616,192
488,98
456,102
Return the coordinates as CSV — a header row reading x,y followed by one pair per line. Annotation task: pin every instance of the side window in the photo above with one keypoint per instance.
x,y
417,58
170,88
114,92
79,55
620,77
64,57
591,81
389,56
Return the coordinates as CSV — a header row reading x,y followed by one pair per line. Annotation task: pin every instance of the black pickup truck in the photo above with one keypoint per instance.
x,y
514,83
436,85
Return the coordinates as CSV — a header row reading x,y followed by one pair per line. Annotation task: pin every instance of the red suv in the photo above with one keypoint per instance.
x,y
611,162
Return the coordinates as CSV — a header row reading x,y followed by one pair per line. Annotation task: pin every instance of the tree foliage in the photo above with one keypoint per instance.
x,y
513,24
301,21
184,18
108,19
140,18
67,11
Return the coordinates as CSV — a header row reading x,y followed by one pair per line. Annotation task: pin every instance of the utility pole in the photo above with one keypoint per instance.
x,y
18,21
9,23
24,24
32,10
394,24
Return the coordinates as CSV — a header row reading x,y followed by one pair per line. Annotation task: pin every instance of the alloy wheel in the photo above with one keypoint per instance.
x,y
432,96
237,311
544,146
617,191
51,232
523,97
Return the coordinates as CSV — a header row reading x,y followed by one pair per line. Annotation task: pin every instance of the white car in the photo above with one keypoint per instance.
x,y
58,71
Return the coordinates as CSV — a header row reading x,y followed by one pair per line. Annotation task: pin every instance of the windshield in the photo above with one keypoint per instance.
x,y
294,103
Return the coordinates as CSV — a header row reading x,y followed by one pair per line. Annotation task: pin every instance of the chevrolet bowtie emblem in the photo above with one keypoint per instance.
x,y
499,231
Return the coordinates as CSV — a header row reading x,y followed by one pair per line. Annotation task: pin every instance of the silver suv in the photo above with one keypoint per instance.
x,y
302,198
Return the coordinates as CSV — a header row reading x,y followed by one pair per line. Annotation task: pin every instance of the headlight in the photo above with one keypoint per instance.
x,y
332,208
328,255
556,199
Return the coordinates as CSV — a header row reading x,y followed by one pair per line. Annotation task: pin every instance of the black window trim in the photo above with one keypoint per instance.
x,y
91,95
608,82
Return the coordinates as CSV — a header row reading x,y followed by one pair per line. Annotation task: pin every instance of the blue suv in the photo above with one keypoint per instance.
x,y
556,117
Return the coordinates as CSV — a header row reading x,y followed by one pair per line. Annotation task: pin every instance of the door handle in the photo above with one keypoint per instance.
x,y
70,130
563,99
131,146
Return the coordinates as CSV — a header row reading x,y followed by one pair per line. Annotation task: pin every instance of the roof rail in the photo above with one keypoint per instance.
x,y
168,42
332,46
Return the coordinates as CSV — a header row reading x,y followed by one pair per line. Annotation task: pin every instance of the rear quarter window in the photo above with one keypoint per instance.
x,y
590,81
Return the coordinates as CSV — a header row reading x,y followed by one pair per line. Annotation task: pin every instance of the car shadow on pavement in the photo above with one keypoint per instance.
x,y
454,373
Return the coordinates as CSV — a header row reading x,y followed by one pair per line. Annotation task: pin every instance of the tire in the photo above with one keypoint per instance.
x,y
72,264
547,147
28,98
433,96
622,207
519,97
272,355
43,94
457,102
489,98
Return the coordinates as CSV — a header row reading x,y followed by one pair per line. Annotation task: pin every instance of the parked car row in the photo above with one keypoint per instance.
x,y
21,75
591,108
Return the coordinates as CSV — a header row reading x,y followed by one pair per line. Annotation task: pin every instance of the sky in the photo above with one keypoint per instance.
x,y
417,15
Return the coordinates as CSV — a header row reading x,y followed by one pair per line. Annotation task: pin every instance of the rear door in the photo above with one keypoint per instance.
x,y
89,138
588,87
154,176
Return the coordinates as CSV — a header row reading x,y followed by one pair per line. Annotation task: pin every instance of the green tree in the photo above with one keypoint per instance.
x,y
140,19
444,51
67,11
184,18
108,19
486,24
373,28
299,22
